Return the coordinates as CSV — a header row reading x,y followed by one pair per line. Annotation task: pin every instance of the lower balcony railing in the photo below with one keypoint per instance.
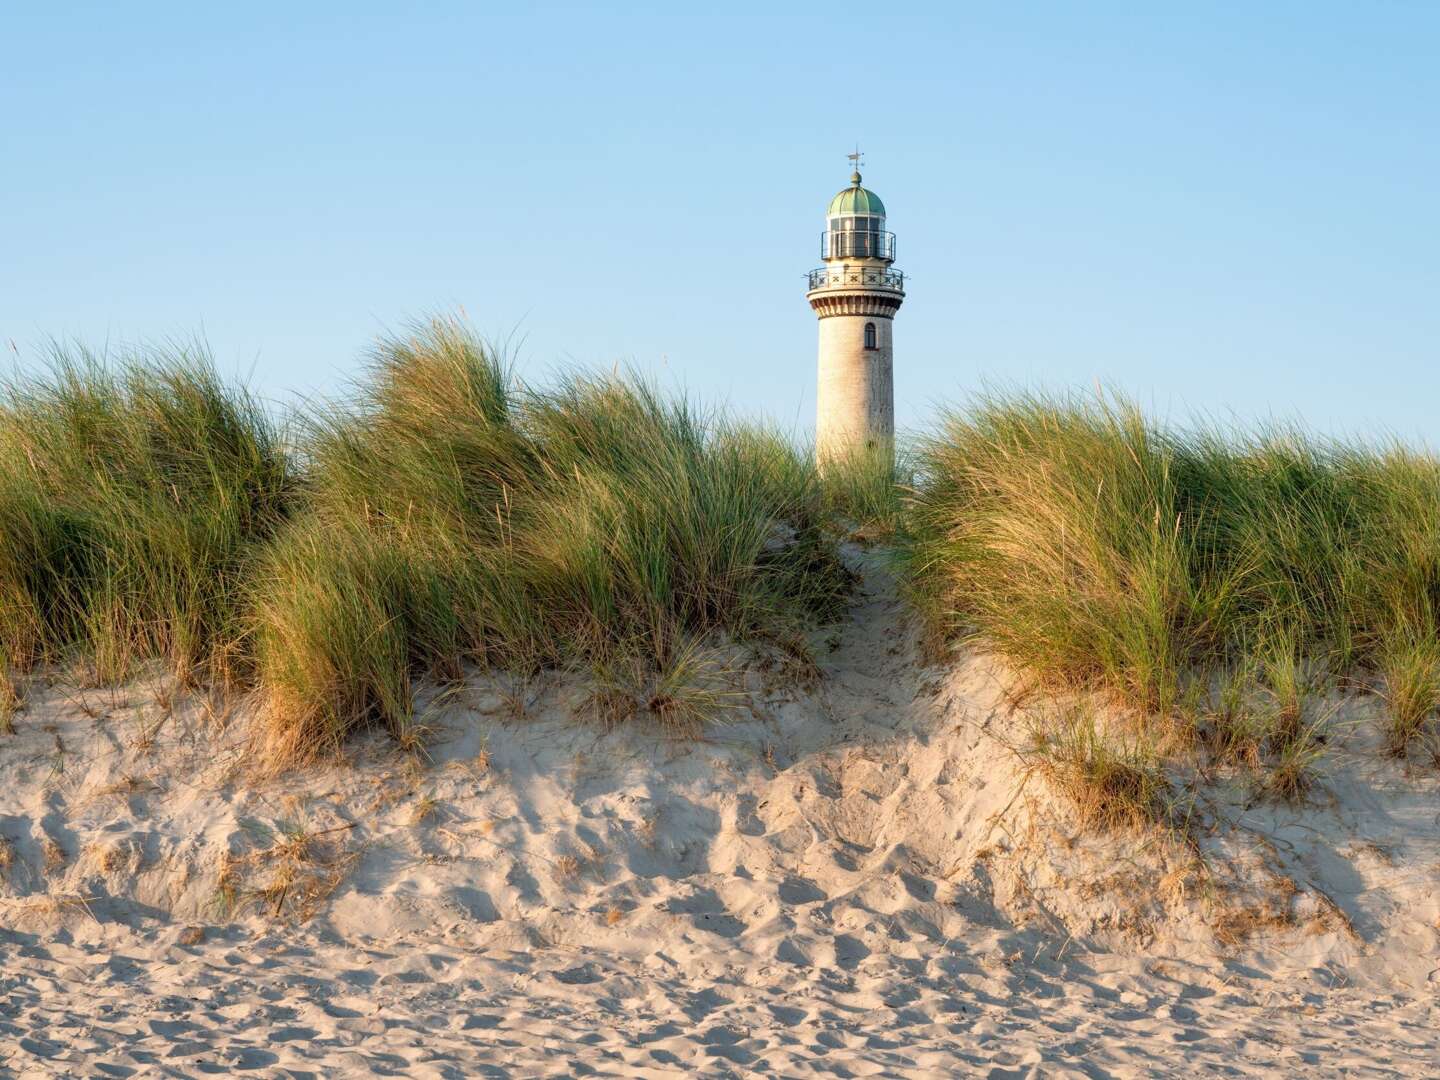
x,y
872,276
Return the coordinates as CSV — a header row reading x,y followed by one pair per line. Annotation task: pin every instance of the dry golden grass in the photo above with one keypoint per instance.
x,y
112,857
11,700
426,809
47,908
53,854
1111,781
1234,925
126,786
290,878
147,729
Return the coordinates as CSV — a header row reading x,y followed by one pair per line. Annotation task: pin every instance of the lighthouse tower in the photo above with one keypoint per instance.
x,y
855,294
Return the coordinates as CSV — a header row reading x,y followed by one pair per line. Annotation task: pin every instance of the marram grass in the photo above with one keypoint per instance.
x,y
453,516
133,496
448,517
444,517
1097,551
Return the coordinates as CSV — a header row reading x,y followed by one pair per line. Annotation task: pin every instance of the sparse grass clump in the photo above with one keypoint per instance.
x,y
1229,724
287,871
1111,781
132,498
1291,767
455,517
694,686
1410,668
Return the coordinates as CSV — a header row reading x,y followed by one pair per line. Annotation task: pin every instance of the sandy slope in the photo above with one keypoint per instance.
x,y
852,881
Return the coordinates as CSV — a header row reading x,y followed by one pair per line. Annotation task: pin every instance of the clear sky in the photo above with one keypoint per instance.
x,y
1226,207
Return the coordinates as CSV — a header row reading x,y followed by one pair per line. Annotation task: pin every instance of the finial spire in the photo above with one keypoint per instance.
x,y
856,160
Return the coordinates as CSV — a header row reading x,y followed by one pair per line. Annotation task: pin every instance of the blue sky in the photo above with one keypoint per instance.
x,y
1216,207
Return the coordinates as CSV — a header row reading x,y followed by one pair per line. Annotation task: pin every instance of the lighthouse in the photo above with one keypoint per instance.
x,y
856,295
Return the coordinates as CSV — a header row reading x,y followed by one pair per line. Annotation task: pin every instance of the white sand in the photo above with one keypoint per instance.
x,y
850,882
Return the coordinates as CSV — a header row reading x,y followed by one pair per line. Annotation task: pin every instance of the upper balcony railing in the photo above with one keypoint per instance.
x,y
835,244
873,277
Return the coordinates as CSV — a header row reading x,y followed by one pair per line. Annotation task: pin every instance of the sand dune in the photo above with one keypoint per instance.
x,y
853,880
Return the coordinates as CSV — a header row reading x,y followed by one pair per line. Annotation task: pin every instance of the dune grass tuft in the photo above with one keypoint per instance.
x,y
1099,552
454,517
446,516
1098,549
133,495
1055,529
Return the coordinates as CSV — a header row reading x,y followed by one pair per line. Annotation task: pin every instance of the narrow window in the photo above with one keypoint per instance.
x,y
870,335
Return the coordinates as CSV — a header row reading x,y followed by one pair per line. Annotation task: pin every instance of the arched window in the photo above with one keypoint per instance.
x,y
870,335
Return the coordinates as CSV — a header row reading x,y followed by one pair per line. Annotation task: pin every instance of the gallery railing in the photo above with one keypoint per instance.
x,y
875,277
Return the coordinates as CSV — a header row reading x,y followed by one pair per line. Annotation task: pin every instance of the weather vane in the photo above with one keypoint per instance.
x,y
856,159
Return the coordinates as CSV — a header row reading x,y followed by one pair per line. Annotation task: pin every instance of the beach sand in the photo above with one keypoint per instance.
x,y
851,879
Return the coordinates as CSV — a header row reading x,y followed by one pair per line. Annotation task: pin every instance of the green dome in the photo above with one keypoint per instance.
x,y
856,200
